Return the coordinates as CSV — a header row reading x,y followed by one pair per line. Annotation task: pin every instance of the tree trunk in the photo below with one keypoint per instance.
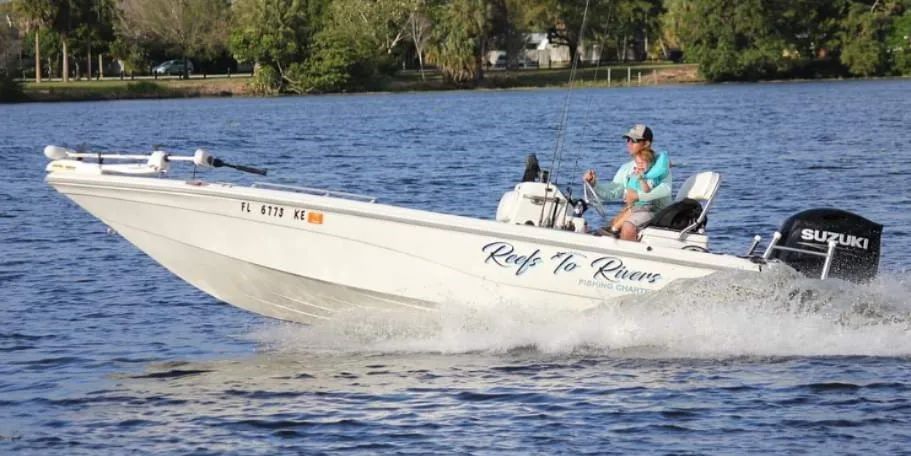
x,y
624,48
66,62
37,57
100,67
573,50
417,48
89,66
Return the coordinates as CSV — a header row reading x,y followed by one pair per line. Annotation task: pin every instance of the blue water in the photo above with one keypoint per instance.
x,y
104,352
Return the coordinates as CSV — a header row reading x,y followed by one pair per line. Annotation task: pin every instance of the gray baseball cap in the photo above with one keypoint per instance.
x,y
639,132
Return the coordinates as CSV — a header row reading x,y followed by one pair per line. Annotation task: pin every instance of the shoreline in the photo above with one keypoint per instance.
x,y
217,86
221,86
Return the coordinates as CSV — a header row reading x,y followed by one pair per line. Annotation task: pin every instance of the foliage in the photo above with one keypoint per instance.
x,y
133,56
898,44
265,81
95,28
863,52
457,43
194,29
274,33
778,38
732,40
359,45
10,88
328,70
305,46
50,49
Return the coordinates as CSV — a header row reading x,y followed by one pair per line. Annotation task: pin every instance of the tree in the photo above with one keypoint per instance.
x,y
359,43
10,46
733,40
459,37
39,14
274,34
420,27
875,36
899,44
190,28
562,19
95,29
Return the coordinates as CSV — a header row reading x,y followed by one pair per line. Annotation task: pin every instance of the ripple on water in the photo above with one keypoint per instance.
x,y
104,352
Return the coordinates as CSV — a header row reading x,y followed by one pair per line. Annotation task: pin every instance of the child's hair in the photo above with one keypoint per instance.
x,y
648,154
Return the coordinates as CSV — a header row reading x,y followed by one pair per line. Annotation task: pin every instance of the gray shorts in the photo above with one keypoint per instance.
x,y
641,216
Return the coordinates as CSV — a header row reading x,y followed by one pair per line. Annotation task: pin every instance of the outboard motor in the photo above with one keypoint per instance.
x,y
856,256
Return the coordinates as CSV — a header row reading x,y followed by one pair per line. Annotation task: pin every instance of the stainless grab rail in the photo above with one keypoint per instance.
x,y
828,255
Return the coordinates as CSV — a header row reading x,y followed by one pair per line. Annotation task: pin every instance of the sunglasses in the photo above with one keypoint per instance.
x,y
634,141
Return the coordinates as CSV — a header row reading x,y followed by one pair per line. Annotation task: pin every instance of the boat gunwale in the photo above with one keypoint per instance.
x,y
410,216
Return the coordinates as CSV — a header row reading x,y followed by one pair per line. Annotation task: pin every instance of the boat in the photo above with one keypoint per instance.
x,y
305,254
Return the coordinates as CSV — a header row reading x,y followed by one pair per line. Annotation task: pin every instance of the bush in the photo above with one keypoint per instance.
x,y
145,88
325,71
10,89
265,81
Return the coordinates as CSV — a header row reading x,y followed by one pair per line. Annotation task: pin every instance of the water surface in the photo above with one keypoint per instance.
x,y
104,352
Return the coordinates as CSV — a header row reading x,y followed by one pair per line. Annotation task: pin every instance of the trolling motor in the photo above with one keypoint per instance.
x,y
156,163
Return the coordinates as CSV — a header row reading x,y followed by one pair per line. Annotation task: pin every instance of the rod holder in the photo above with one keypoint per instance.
x,y
771,247
756,240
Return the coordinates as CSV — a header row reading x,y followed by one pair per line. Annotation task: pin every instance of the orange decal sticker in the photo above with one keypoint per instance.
x,y
315,217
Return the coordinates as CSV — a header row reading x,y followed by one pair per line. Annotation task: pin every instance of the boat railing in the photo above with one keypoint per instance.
x,y
829,254
315,191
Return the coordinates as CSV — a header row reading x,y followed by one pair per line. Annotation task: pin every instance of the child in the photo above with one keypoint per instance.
x,y
637,181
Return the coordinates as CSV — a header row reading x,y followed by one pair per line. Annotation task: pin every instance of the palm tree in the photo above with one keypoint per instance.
x,y
38,14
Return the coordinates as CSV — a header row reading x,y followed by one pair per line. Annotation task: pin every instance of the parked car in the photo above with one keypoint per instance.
x,y
521,62
528,62
172,67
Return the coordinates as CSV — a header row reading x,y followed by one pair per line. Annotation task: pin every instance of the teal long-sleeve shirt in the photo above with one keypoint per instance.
x,y
659,173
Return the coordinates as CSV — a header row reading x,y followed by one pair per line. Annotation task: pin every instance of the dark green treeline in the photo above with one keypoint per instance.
x,y
336,45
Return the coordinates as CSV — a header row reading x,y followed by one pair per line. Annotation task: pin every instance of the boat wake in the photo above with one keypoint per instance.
x,y
725,315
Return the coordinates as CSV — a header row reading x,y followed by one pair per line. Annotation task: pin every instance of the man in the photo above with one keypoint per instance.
x,y
638,138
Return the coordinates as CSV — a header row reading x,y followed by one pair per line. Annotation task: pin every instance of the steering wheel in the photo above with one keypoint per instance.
x,y
592,199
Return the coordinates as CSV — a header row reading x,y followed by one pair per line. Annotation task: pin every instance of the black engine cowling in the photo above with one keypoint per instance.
x,y
857,240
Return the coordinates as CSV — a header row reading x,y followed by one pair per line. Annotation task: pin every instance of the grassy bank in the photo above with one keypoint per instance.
x,y
115,89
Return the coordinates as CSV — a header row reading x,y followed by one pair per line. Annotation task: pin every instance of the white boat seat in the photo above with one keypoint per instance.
x,y
687,214
700,187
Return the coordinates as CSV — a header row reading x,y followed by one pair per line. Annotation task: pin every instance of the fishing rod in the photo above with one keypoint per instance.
x,y
561,129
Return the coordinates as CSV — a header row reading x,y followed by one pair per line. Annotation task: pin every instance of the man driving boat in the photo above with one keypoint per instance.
x,y
644,204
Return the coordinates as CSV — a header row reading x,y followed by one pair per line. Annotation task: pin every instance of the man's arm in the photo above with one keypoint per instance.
x,y
661,190
613,190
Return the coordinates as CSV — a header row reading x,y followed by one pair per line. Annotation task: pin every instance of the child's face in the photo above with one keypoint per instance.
x,y
641,163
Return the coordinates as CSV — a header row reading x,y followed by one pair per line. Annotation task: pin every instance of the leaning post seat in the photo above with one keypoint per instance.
x,y
679,215
686,217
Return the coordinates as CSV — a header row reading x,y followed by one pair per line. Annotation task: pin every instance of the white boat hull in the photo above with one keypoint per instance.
x,y
303,257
